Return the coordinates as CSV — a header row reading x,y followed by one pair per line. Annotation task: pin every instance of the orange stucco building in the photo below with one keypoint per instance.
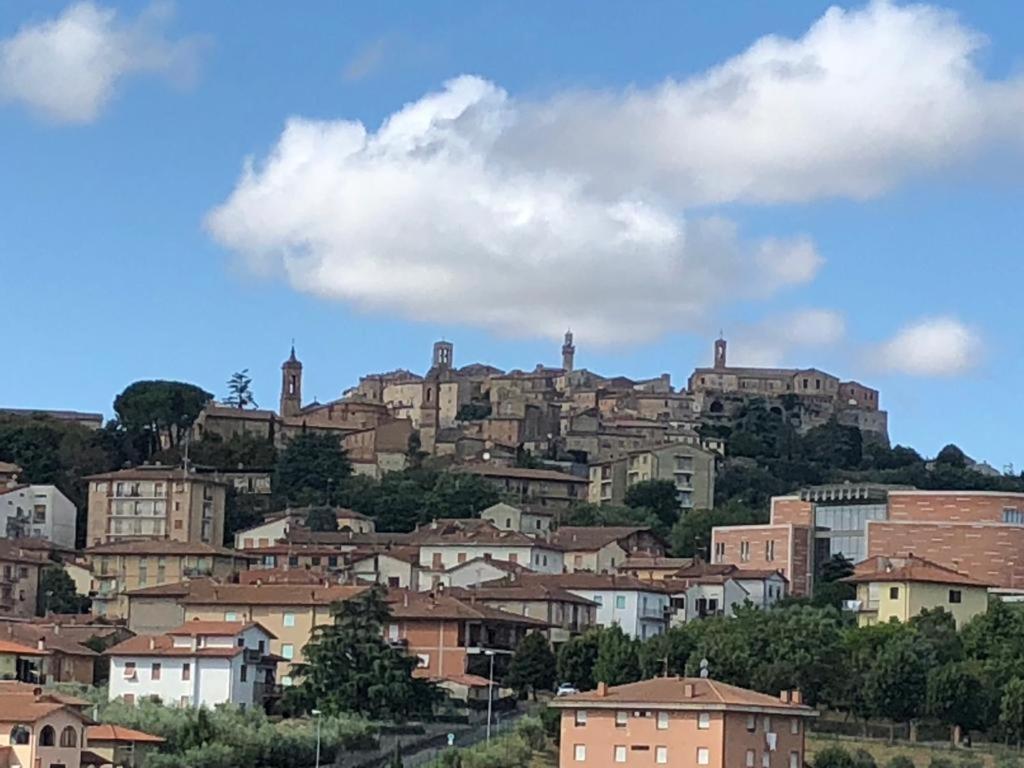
x,y
682,722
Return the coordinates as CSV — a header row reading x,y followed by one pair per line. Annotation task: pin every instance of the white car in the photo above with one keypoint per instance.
x,y
566,689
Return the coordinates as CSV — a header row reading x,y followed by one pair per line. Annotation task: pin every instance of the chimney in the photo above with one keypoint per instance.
x,y
796,697
56,629
602,689
405,599
38,693
41,644
688,690
784,697
152,643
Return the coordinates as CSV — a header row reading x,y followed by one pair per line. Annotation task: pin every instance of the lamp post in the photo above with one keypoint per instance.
x,y
490,693
316,713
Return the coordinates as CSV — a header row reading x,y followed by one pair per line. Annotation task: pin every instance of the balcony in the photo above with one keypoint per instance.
x,y
194,571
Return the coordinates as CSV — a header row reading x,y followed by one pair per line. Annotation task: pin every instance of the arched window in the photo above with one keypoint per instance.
x,y
20,734
47,736
69,737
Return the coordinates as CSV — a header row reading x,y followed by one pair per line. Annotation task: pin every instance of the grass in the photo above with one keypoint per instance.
x,y
921,754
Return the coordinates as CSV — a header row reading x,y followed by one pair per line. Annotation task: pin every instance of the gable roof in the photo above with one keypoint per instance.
x,y
210,592
909,569
499,565
30,707
54,638
424,606
197,628
521,473
591,538
13,648
586,580
473,531
110,732
164,547
163,645
524,593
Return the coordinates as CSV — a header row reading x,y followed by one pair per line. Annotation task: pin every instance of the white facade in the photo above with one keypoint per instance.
x,y
538,556
473,573
509,518
387,570
640,613
713,599
263,535
181,677
38,511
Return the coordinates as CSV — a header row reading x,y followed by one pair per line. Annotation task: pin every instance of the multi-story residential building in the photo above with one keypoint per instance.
x,y
533,487
683,722
394,567
120,567
531,520
704,590
289,612
604,549
199,664
566,614
443,544
978,533
155,502
901,587
690,468
60,656
38,512
481,570
19,578
40,729
276,527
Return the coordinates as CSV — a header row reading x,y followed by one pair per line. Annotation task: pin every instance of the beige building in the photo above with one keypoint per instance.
x,y
901,587
121,567
19,578
536,522
604,549
40,730
689,467
155,502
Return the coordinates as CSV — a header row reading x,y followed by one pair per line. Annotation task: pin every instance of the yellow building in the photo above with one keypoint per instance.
x,y
901,587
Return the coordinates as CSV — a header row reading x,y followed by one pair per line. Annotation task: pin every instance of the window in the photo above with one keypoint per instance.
x,y
1013,516
47,736
129,670
744,551
794,726
663,721
184,702
186,671
620,754
129,699
289,619
579,752
293,560
20,735
703,756
461,557
767,723
704,721
719,551
287,651
599,599
154,672
243,674
661,755
177,523
620,602
581,717
394,581
751,723
750,759
230,616
794,760
621,718
769,550
894,593
332,561
766,760
955,596
69,737
513,557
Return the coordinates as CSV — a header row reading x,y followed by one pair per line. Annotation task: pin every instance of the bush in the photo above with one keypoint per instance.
x,y
972,762
863,759
941,761
834,757
552,720
900,761
1008,761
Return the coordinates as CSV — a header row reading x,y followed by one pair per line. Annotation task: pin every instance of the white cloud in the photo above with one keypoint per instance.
x,y
69,68
782,339
938,346
470,206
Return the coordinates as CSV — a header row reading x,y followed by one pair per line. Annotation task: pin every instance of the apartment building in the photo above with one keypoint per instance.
x,y
604,549
978,533
532,521
545,488
444,544
19,578
277,527
38,512
40,729
199,664
682,722
120,567
566,614
155,502
689,467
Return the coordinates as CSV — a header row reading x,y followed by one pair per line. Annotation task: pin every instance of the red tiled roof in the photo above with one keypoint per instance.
x,y
526,593
27,707
586,580
164,547
108,732
197,628
209,592
587,538
9,647
424,606
521,473
910,569
163,645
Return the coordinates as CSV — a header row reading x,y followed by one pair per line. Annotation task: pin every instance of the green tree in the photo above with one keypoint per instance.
x,y
57,593
321,519
159,413
240,390
691,535
1011,711
617,661
533,666
958,696
834,757
895,685
577,658
952,456
242,451
937,628
659,497
667,653
829,588
311,470
350,668
602,515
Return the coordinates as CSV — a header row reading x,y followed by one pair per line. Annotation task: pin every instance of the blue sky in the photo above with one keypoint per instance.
x,y
845,194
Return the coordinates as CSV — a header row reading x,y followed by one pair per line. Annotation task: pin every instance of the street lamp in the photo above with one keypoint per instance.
x,y
490,693
316,713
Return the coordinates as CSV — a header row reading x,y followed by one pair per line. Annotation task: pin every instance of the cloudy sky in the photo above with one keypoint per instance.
x,y
187,187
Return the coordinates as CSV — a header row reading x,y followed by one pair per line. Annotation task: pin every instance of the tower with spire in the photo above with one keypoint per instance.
x,y
291,385
568,352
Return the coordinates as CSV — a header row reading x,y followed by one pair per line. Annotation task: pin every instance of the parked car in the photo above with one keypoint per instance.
x,y
566,689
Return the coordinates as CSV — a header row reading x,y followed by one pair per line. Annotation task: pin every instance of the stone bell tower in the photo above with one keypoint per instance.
x,y
568,352
291,385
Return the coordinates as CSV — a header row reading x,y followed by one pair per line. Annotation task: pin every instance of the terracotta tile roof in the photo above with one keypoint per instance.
x,y
587,538
910,569
163,645
521,473
155,472
8,687
210,592
470,681
351,538
108,732
281,576
501,565
588,581
531,593
163,547
469,532
27,707
54,639
10,647
196,628
424,606
670,693
405,554
19,552
655,563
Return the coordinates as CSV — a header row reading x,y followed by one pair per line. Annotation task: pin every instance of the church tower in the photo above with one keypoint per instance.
x,y
720,353
444,352
291,386
568,352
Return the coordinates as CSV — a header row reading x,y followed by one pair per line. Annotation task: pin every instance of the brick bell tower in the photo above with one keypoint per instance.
x,y
291,385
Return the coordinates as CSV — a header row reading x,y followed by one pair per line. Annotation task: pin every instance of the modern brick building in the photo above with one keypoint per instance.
x,y
978,533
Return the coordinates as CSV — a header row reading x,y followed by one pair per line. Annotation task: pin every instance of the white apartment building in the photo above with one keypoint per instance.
x,y
38,512
201,663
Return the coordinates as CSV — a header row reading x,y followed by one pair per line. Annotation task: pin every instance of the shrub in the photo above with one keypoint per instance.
x,y
941,761
863,759
1008,761
900,761
834,757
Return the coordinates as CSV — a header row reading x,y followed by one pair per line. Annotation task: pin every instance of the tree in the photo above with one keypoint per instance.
x,y
937,628
159,413
691,535
617,661
240,390
1011,711
829,588
834,757
601,515
321,519
659,497
350,668
396,757
952,456
958,696
533,666
667,653
576,660
57,593
311,470
896,683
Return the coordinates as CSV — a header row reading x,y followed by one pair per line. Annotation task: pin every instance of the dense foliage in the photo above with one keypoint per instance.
x,y
532,667
516,750
158,414
57,592
311,470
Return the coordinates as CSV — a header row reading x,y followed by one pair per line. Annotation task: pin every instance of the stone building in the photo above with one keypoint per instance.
x,y
689,467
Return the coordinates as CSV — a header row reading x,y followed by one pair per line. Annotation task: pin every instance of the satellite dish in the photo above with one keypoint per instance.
x,y
704,668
